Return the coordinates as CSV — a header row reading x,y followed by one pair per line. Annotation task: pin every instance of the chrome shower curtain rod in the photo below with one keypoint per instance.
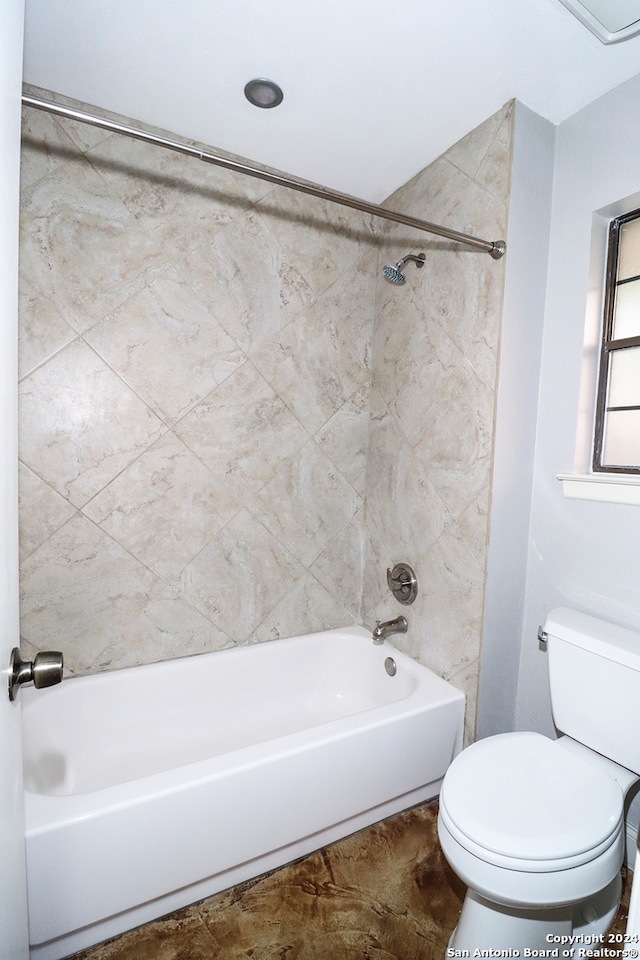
x,y
495,248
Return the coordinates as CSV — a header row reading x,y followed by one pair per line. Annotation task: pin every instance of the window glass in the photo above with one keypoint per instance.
x,y
622,438
624,378
616,446
626,318
629,258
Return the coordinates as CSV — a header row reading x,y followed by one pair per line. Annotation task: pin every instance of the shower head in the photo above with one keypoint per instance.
x,y
395,274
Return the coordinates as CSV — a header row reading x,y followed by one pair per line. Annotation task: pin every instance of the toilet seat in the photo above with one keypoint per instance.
x,y
518,802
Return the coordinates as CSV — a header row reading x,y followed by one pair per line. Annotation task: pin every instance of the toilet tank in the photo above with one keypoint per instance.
x,y
594,674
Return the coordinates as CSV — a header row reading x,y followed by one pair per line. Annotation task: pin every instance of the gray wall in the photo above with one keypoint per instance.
x,y
516,411
582,554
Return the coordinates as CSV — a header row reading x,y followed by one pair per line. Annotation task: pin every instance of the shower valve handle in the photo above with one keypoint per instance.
x,y
403,583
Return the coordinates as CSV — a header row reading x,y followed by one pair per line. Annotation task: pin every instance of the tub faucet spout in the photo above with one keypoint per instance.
x,y
383,630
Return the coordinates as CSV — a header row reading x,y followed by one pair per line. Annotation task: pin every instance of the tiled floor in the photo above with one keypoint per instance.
x,y
385,893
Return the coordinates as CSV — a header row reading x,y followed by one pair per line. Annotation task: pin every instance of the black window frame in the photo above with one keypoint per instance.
x,y
609,345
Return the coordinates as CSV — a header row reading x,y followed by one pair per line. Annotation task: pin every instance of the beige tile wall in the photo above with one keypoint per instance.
x,y
196,390
434,379
194,402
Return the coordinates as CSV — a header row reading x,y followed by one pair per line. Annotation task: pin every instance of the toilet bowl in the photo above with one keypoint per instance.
x,y
540,831
535,828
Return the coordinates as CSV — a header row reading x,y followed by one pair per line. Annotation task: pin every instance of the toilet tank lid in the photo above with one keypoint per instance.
x,y
598,636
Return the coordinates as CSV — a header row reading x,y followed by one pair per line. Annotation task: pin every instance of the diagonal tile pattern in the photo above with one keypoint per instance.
x,y
239,421
433,388
158,461
166,318
139,509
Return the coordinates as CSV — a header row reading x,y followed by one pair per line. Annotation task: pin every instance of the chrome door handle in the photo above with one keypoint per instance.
x,y
44,671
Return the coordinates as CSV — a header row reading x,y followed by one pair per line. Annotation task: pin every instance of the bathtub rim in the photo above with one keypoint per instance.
x,y
39,806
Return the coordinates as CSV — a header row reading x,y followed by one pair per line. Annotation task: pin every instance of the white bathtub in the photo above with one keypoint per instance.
x,y
150,788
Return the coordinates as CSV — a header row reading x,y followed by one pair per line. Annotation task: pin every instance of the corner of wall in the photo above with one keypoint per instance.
x,y
435,353
516,417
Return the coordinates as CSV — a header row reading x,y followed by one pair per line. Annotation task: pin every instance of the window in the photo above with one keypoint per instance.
x,y
617,428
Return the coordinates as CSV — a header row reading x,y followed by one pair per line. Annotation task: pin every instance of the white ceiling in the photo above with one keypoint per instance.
x,y
373,90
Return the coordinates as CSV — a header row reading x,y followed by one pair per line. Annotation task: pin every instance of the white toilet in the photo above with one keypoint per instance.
x,y
535,827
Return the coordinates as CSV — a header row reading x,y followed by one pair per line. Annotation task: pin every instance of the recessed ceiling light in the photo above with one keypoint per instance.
x,y
610,21
263,93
